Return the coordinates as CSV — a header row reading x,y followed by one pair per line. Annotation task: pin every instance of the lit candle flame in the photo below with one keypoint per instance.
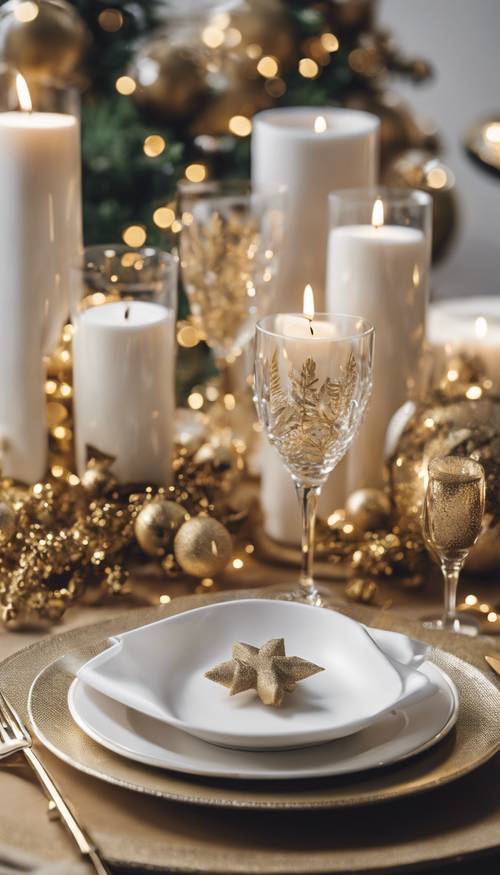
x,y
308,305
378,214
320,124
23,93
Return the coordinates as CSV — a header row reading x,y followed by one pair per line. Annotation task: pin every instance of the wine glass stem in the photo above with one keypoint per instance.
x,y
451,573
308,500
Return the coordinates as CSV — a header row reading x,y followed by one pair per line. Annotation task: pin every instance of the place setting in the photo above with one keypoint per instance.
x,y
249,451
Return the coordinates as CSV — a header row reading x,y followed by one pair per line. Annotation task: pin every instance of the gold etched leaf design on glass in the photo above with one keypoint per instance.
x,y
219,272
307,420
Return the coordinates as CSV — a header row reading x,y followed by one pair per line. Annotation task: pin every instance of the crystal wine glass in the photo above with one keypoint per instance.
x,y
230,247
313,379
451,521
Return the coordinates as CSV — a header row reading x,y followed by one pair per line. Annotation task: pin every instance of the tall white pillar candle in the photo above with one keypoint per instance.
x,y
381,272
123,367
40,236
467,326
311,151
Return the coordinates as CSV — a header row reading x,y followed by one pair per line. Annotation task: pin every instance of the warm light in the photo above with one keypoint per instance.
x,y
23,93
229,401
195,400
492,132
240,125
320,124
125,85
196,172
110,20
378,214
188,337
134,235
254,51
492,617
233,37
163,217
154,145
237,563
187,218
308,305
25,12
308,68
473,393
165,599
429,422
484,608
452,375
481,326
212,36
471,600
437,178
176,226
268,67
329,42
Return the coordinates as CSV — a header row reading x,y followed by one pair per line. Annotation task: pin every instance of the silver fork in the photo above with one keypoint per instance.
x,y
14,733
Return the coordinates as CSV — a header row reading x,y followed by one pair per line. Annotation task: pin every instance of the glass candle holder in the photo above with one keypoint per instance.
x,y
124,361
40,238
378,263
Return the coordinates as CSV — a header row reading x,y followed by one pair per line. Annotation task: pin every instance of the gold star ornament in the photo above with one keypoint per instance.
x,y
266,669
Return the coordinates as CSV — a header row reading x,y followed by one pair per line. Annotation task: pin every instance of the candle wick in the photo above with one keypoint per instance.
x,y
309,319
127,312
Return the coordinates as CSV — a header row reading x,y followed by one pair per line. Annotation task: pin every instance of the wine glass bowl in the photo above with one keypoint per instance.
x,y
313,379
451,522
230,247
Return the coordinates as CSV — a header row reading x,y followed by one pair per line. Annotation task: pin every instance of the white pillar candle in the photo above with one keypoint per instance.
x,y
311,151
469,326
124,366
380,272
40,236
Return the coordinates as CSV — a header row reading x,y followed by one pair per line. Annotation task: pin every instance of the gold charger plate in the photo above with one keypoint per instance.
x,y
474,740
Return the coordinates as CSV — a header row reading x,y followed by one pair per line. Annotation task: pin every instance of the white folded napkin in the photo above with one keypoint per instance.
x,y
403,653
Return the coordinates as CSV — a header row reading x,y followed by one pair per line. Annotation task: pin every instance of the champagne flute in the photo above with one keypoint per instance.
x,y
451,521
313,379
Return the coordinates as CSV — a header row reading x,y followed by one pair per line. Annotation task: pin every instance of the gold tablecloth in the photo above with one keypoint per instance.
x,y
462,816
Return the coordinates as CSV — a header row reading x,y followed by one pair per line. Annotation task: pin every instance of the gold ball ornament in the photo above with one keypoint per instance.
x,y
157,524
97,480
451,427
51,43
419,168
203,547
369,509
7,522
170,77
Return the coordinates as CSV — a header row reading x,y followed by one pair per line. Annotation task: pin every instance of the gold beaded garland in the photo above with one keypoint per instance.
x,y
156,525
7,522
203,547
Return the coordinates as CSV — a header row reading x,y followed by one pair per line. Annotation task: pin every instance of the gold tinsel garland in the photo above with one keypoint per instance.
x,y
63,535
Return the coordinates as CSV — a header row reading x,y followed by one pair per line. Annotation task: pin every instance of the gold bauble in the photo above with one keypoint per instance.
x,y
369,509
203,547
170,77
419,168
156,525
450,427
51,45
7,522
97,480
482,142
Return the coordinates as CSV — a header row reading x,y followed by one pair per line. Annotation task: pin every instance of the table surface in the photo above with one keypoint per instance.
x,y
30,827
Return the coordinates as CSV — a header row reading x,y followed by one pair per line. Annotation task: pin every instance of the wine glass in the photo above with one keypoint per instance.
x,y
313,379
451,522
230,247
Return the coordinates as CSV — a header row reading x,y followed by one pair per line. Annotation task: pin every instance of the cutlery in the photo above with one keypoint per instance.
x,y
494,663
14,733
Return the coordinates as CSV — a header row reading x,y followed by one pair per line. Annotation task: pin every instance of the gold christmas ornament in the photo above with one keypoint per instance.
x,y
419,168
482,142
449,427
170,78
203,547
47,38
7,521
265,669
369,509
157,524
